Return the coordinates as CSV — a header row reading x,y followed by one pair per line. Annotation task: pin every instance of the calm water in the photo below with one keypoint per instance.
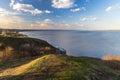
x,y
82,43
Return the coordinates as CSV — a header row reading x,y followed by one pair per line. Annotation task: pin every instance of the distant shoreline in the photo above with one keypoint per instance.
x,y
63,30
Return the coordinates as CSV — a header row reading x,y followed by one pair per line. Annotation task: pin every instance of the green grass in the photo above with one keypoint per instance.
x,y
61,67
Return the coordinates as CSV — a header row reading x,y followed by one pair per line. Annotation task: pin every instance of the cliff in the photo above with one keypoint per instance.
x,y
16,47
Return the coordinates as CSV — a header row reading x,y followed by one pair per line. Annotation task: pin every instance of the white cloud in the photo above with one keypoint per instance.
x,y
78,9
12,3
108,9
112,8
63,3
75,10
89,18
26,8
47,11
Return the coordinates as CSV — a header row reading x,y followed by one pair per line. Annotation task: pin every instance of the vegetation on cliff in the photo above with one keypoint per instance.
x,y
12,48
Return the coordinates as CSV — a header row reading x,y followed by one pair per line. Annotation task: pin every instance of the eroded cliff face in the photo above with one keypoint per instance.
x,y
15,48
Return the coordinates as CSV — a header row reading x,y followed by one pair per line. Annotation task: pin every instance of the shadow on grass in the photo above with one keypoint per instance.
x,y
10,77
16,63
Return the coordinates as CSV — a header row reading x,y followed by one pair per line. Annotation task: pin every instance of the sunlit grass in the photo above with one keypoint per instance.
x,y
57,67
21,69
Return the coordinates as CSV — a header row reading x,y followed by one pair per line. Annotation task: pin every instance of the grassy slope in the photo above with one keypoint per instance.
x,y
58,67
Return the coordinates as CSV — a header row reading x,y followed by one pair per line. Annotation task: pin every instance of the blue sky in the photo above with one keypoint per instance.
x,y
60,14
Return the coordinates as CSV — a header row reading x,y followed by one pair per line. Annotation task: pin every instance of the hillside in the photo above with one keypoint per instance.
x,y
12,48
58,67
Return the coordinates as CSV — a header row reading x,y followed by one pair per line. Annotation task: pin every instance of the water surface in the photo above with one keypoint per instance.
x,y
82,43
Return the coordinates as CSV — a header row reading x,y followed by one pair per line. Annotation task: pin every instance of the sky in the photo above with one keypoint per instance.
x,y
60,14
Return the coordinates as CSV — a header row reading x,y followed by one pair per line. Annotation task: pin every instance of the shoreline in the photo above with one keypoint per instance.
x,y
19,34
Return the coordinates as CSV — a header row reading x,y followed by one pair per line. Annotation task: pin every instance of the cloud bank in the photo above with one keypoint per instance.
x,y
27,8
